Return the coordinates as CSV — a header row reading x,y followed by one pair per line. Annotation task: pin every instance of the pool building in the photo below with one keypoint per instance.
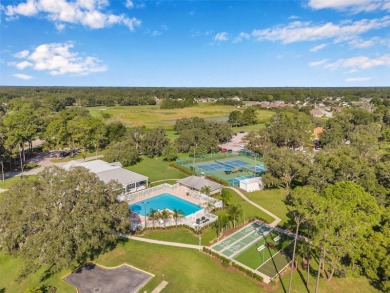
x,y
130,181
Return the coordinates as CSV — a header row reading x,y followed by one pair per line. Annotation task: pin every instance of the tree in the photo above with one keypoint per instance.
x,y
154,142
205,190
225,197
153,215
302,203
123,153
165,215
177,214
115,131
235,213
235,118
249,116
62,219
286,168
170,152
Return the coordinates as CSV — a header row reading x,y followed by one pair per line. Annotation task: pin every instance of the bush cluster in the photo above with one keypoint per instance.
x,y
180,168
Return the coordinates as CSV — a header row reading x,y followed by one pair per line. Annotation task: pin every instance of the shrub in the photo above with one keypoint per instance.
x,y
30,165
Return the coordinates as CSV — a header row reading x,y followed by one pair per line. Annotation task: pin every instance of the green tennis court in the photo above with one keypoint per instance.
x,y
253,258
275,264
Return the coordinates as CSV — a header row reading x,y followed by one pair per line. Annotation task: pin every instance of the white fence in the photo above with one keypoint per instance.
x,y
131,196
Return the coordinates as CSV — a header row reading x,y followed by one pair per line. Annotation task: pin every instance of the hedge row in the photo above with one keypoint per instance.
x,y
228,262
218,180
247,272
195,231
181,168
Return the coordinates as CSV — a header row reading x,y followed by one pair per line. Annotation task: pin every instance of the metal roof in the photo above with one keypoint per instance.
x,y
198,182
108,171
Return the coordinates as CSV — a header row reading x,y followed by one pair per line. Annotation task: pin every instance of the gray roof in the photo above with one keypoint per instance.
x,y
123,176
108,171
198,182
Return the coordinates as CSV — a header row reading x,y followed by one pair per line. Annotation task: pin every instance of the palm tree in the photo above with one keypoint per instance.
x,y
221,223
205,190
235,213
209,206
225,196
153,215
165,215
177,214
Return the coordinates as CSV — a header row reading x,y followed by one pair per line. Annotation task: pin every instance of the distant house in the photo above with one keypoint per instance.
x,y
106,172
196,183
316,113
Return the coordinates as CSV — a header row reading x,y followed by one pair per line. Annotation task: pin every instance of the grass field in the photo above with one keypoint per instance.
x,y
181,235
153,116
249,211
186,270
271,200
8,182
156,169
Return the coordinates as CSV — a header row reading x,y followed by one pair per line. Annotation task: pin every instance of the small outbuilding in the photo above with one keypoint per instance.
x,y
106,172
252,184
196,183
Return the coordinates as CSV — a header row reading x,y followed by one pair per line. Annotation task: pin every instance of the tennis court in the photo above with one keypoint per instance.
x,y
229,167
261,251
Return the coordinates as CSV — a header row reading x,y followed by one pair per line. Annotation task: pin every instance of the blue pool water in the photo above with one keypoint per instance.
x,y
164,201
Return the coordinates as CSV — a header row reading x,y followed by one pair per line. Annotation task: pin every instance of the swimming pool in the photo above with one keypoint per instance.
x,y
164,201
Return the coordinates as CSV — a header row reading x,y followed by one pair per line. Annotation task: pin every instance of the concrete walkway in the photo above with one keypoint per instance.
x,y
277,219
160,287
177,244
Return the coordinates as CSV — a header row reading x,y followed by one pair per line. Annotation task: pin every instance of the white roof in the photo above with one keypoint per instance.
x,y
108,171
251,180
198,182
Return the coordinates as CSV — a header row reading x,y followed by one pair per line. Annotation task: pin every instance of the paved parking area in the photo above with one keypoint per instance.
x,y
235,143
92,278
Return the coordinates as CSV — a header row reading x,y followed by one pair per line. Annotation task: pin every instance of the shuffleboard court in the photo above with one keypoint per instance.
x,y
236,236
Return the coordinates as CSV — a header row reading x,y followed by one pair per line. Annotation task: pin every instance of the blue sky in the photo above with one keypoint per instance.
x,y
195,43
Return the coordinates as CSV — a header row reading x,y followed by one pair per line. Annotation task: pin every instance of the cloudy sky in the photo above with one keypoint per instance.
x,y
195,43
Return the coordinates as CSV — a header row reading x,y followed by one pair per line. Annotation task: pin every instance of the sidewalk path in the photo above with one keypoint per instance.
x,y
160,287
277,219
177,244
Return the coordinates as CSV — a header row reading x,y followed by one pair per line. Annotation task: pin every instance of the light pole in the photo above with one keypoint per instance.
x,y
145,203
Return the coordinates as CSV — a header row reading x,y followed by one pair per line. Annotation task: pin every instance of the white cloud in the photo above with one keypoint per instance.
x,y
22,76
241,36
317,48
353,5
358,79
318,63
221,37
57,59
306,31
89,13
129,4
354,63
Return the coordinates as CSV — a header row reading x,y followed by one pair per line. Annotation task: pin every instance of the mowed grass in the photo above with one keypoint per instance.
x,y
186,270
272,200
153,116
10,181
181,235
156,169
249,211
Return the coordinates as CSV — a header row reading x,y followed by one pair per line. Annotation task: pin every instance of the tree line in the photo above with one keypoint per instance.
x,y
340,193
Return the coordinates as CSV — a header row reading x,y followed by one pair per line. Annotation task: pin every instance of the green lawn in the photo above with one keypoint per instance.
x,y
156,169
186,270
153,116
249,210
8,182
181,235
271,200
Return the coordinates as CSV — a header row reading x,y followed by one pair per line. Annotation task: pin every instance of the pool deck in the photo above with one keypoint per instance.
x,y
180,192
